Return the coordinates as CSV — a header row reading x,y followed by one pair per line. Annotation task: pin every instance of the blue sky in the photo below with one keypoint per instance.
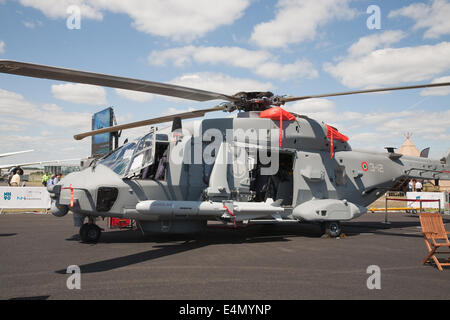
x,y
292,47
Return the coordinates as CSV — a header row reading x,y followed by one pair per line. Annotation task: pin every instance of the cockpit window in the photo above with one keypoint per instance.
x,y
129,160
119,160
143,155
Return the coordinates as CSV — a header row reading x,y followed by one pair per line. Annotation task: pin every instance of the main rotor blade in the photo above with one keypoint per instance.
x,y
430,85
53,73
184,115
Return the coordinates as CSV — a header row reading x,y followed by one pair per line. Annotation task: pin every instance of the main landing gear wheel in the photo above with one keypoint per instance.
x,y
90,233
331,228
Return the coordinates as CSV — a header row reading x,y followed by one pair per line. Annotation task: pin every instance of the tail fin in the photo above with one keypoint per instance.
x,y
424,153
446,160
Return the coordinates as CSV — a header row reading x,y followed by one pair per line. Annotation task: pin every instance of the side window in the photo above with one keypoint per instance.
x,y
161,161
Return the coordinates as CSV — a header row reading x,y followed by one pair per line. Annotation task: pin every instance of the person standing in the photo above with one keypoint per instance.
x,y
419,186
45,178
15,180
11,174
57,179
50,181
410,186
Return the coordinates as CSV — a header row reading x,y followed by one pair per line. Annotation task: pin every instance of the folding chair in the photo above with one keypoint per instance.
x,y
433,229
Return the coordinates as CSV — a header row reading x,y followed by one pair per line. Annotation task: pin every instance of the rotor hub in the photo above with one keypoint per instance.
x,y
255,101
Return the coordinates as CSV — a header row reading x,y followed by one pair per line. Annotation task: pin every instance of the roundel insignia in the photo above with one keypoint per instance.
x,y
365,166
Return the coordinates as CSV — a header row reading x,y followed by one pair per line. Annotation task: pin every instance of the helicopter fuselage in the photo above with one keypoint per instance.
x,y
236,169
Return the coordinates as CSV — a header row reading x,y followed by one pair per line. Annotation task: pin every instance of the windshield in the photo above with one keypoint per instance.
x,y
131,158
119,160
143,155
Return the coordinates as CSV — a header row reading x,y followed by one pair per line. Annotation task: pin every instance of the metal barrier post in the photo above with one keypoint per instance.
x,y
386,211
420,206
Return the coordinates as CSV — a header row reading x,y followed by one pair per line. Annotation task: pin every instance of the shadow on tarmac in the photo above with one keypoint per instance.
x,y
31,298
218,234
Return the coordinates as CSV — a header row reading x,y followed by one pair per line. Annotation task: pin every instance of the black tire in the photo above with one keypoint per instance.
x,y
332,228
90,233
82,231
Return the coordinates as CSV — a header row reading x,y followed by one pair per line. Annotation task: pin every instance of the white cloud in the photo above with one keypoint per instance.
x,y
221,83
390,66
58,8
31,24
173,110
176,19
299,69
317,109
418,122
17,108
259,62
80,93
376,130
2,47
368,44
20,115
432,16
134,95
8,124
54,147
299,20
440,91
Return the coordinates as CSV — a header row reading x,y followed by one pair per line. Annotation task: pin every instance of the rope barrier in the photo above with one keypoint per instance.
x,y
414,200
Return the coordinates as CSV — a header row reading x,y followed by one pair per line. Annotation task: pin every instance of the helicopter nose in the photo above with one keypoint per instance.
x,y
57,209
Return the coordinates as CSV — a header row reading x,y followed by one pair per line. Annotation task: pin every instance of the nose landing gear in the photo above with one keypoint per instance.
x,y
331,228
90,232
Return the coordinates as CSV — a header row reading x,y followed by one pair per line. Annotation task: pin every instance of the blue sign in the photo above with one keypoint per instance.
x,y
102,143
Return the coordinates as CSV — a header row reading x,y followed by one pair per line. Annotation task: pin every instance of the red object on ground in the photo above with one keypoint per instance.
x,y
119,223
277,113
334,134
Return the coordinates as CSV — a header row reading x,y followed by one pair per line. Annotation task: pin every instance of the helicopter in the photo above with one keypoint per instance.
x,y
262,164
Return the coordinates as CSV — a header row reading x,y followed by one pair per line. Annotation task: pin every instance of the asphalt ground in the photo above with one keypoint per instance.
x,y
288,262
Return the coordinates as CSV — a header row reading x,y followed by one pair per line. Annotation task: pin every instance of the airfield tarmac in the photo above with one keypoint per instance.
x,y
257,262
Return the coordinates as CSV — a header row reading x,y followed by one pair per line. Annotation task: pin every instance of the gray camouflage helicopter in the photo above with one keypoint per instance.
x,y
262,164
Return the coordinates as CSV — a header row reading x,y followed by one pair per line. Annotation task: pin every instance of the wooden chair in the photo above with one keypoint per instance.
x,y
433,229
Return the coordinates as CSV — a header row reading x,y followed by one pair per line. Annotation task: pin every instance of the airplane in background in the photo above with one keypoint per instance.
x,y
2,155
9,166
16,166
